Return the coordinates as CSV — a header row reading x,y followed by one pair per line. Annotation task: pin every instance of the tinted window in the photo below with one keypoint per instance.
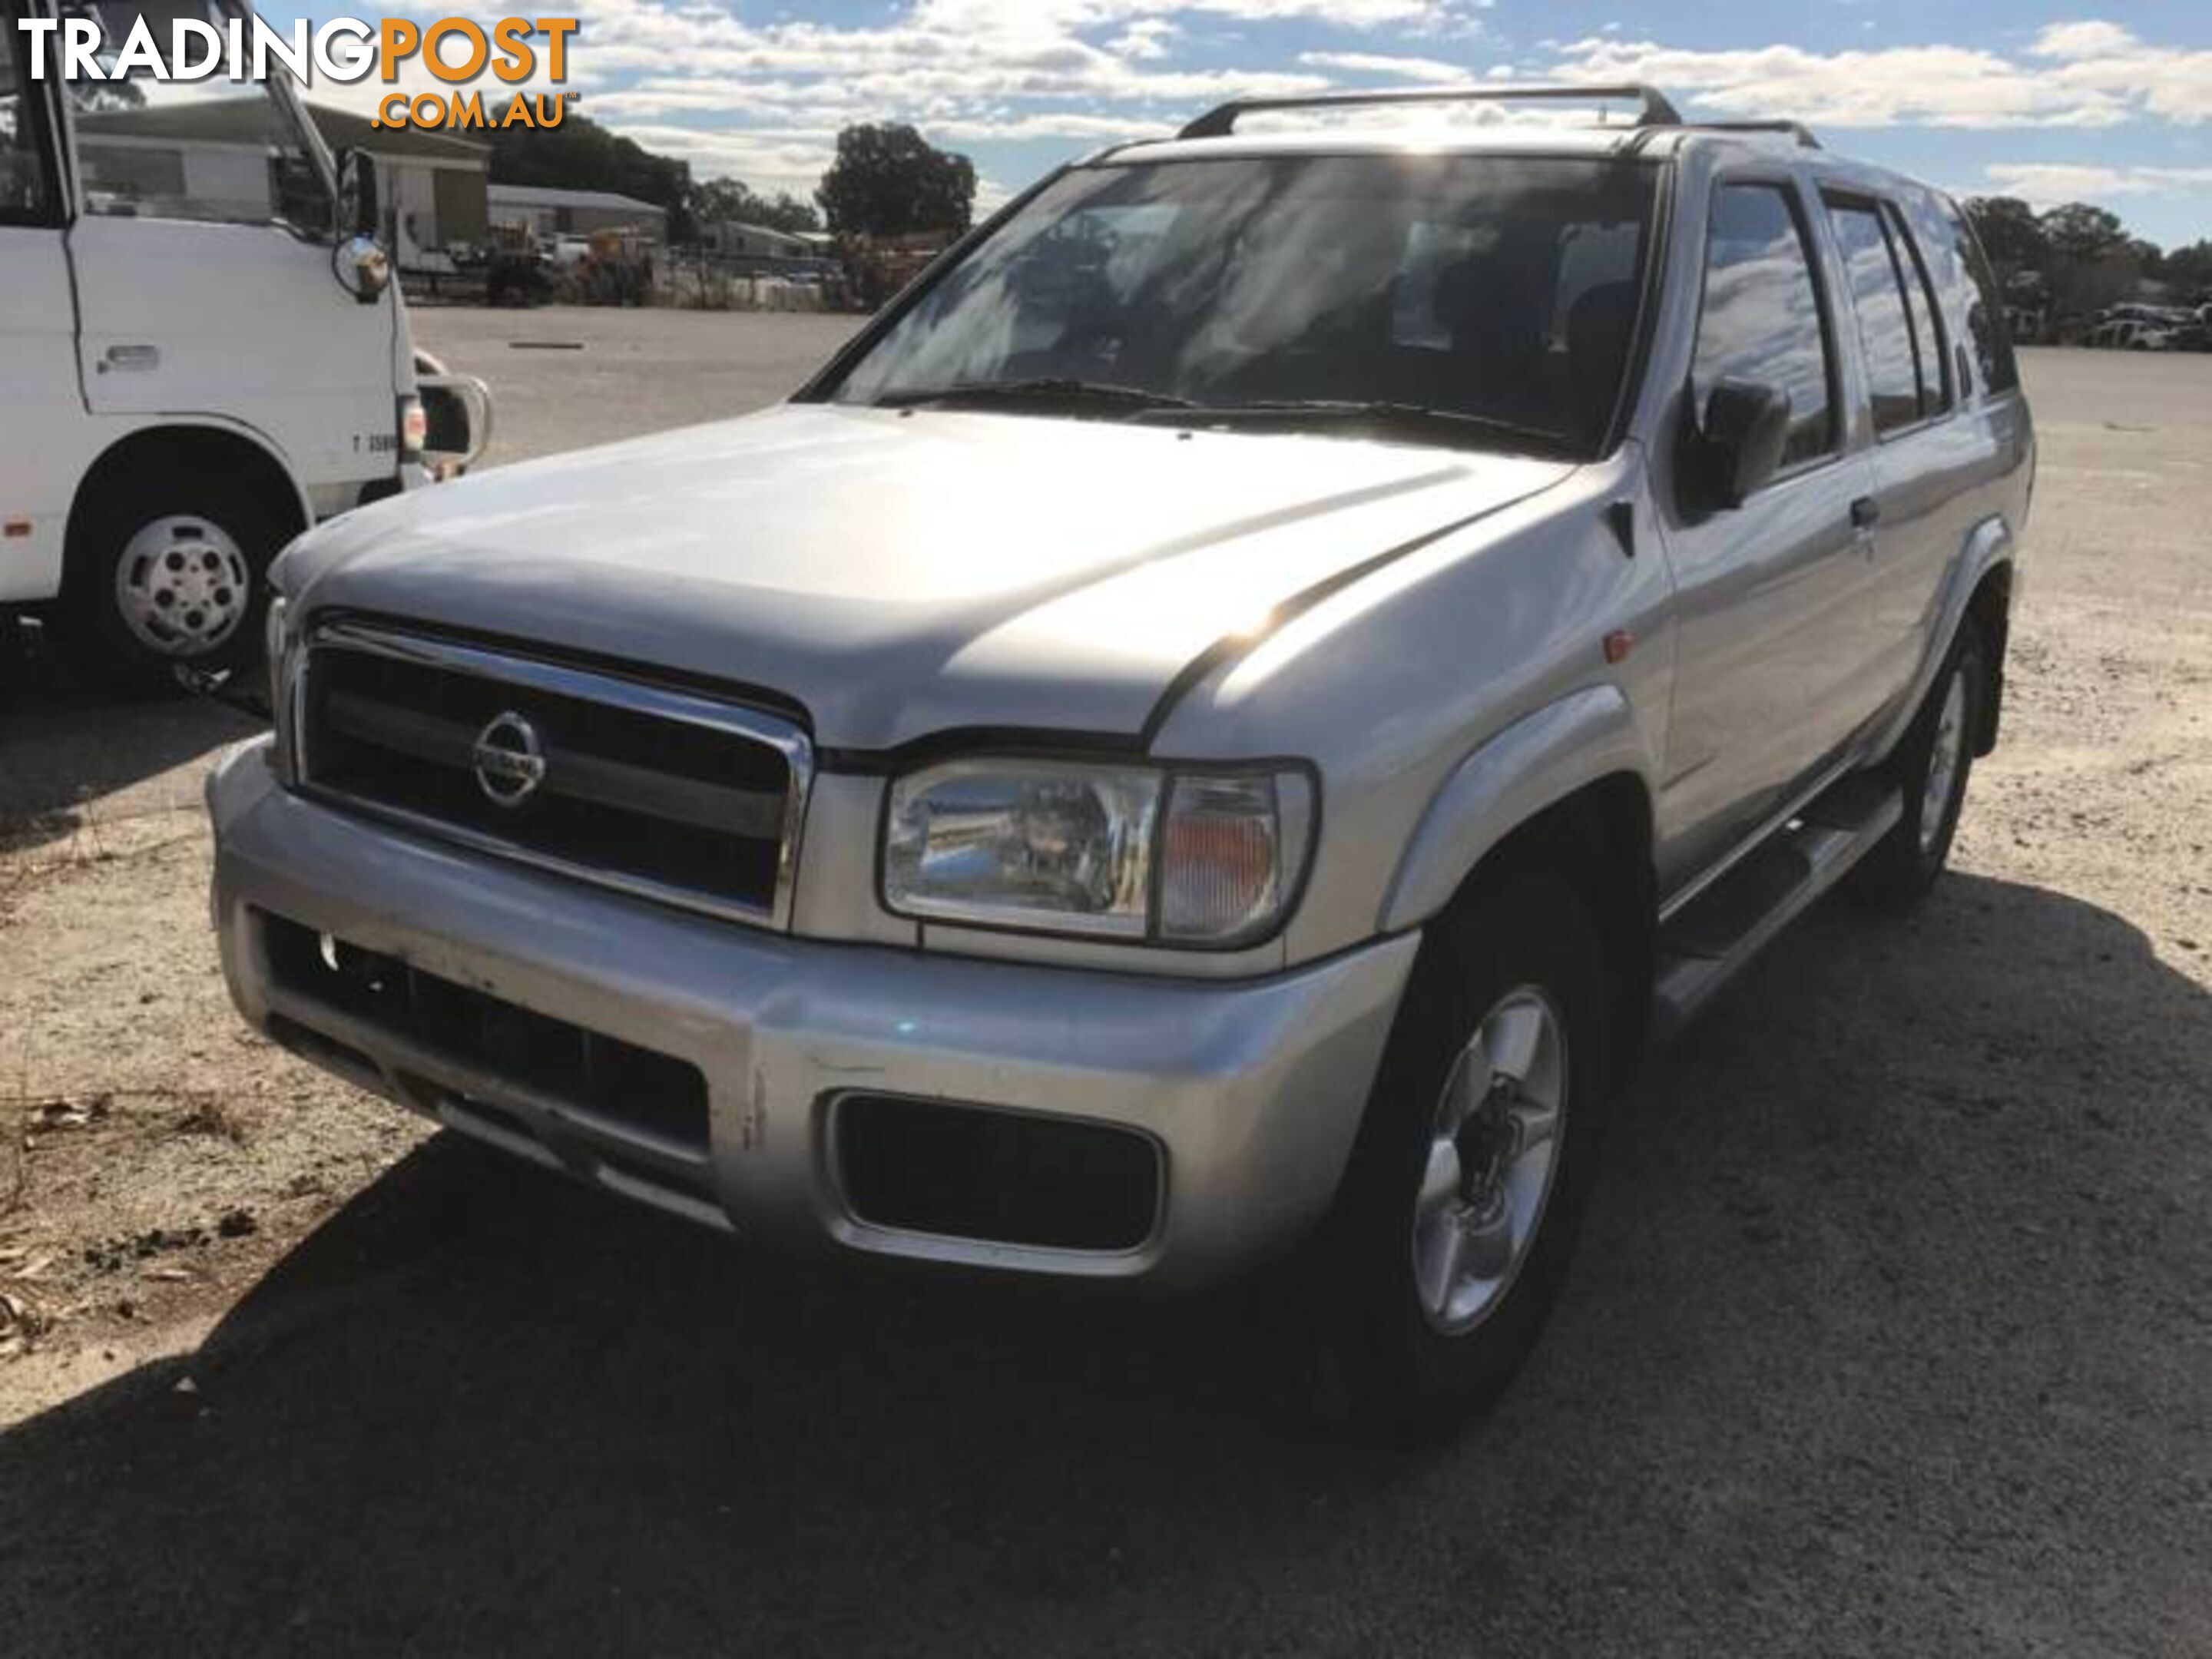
x,y
1927,325
1878,300
1986,312
1762,318
26,191
1501,287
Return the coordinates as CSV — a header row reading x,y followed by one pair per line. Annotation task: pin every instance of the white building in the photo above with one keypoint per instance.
x,y
733,240
551,212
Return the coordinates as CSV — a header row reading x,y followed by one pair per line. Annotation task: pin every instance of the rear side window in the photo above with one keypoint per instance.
x,y
1986,312
1936,389
1895,304
1762,319
1878,300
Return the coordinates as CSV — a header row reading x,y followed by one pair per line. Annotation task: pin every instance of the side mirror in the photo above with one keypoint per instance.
x,y
367,266
363,266
457,412
1741,443
357,206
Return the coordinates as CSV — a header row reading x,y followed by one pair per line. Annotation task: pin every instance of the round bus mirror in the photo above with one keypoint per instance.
x,y
366,268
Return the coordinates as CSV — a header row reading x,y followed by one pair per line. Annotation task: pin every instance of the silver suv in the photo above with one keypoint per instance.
x,y
1216,727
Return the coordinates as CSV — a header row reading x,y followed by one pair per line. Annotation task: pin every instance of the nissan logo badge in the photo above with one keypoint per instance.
x,y
508,763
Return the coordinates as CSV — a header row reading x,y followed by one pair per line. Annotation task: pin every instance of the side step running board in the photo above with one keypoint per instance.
x,y
1703,948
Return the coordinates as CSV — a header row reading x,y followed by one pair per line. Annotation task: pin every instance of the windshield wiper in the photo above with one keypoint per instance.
x,y
1381,411
1052,389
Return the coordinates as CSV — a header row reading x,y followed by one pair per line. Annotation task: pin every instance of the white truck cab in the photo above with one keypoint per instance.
x,y
201,357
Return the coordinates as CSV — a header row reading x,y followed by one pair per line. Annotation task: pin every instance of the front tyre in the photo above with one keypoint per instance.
x,y
1457,1217
168,574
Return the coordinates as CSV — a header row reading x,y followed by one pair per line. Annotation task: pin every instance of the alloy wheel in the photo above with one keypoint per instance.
x,y
1493,1153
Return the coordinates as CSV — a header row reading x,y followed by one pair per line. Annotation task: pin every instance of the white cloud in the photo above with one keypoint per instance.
x,y
2048,183
763,99
1371,63
2076,75
2091,38
1148,39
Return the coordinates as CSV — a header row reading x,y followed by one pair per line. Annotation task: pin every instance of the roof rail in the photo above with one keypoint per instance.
x,y
1653,110
1796,129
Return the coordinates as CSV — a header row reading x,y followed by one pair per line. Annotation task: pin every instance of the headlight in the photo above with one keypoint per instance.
x,y
1111,852
275,639
272,649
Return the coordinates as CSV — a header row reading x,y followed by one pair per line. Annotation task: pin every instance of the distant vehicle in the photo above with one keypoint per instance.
x,y
2155,316
2131,334
1209,733
513,278
201,357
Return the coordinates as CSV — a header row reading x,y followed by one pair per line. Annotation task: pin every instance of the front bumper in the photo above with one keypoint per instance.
x,y
1252,1090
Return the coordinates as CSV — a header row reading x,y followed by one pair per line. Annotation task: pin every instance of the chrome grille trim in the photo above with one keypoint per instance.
x,y
636,696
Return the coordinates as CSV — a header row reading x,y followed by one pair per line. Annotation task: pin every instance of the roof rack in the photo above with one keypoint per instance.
x,y
1796,129
1653,110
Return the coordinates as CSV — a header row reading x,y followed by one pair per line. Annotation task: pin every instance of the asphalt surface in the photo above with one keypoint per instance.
x,y
1891,1333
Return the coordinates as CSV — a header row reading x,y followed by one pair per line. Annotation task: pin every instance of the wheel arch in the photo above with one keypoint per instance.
x,y
1568,788
1989,609
1586,743
196,444
1979,590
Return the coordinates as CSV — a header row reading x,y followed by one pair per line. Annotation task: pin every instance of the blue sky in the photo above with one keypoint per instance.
x,y
2099,101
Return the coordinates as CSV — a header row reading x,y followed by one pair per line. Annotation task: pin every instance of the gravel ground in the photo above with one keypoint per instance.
x,y
1892,1331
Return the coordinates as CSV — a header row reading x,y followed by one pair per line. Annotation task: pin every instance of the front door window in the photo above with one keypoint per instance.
x,y
1762,319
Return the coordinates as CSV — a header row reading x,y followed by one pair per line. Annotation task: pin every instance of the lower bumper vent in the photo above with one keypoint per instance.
x,y
1002,1177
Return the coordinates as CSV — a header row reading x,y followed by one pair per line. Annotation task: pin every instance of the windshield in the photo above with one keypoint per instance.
x,y
152,145
1500,291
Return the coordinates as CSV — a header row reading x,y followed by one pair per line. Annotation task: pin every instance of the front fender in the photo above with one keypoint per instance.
x,y
1536,763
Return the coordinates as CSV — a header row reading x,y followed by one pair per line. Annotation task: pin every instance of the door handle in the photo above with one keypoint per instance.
x,y
128,358
1866,512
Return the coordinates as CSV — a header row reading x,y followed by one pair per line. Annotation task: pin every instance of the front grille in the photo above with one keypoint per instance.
x,y
635,784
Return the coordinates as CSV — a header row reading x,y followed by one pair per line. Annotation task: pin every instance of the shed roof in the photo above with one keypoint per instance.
x,y
553,197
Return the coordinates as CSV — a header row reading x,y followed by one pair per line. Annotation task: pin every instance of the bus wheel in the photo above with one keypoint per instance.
x,y
168,574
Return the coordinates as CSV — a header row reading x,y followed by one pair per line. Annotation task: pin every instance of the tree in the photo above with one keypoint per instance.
x,y
2081,234
2092,261
2011,235
889,181
732,201
582,154
2189,269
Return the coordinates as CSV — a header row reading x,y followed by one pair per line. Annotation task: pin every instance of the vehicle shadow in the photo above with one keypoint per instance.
x,y
70,748
1866,1240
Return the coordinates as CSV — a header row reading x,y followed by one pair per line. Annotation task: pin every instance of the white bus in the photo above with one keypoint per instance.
x,y
200,350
